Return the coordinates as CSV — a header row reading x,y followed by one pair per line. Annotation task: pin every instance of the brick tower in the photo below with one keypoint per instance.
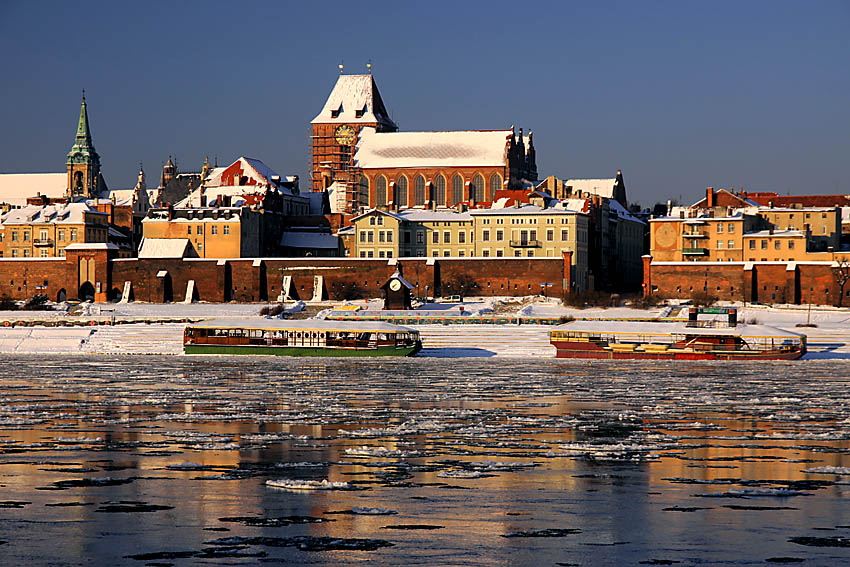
x,y
354,103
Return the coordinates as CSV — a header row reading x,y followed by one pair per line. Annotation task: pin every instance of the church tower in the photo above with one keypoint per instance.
x,y
354,103
83,163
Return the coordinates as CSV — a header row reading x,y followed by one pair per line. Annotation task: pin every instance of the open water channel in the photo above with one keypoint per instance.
x,y
166,461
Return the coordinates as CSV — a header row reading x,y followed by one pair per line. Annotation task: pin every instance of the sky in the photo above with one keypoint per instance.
x,y
678,95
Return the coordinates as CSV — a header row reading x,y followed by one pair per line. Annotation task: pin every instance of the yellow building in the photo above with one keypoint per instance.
x,y
776,246
822,223
220,232
43,231
519,231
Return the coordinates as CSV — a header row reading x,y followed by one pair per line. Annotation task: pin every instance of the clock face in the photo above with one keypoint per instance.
x,y
345,135
395,285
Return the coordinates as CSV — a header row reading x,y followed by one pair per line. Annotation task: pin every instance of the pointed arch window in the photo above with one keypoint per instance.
x,y
495,185
439,189
401,191
418,191
381,191
476,190
457,188
363,191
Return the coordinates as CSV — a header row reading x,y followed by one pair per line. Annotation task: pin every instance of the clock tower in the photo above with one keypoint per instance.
x,y
354,103
83,163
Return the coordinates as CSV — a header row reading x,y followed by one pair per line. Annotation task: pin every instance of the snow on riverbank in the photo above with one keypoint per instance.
x,y
829,339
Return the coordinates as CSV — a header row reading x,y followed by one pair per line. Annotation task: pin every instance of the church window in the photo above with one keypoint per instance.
x,y
439,188
418,191
457,189
363,191
495,185
477,189
401,191
381,191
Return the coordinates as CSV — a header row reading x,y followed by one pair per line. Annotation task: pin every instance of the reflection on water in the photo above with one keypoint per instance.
x,y
137,461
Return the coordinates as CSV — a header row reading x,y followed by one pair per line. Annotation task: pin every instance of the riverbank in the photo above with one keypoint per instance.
x,y
157,329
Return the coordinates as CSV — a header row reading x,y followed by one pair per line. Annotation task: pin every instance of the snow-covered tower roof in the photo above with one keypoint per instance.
x,y
355,100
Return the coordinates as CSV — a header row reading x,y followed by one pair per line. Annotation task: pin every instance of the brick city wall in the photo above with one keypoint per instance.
x,y
765,282
250,280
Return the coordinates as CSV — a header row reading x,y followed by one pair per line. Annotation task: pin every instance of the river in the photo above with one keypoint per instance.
x,y
521,462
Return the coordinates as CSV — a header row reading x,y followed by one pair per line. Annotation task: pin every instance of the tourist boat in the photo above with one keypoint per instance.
x,y
309,337
676,340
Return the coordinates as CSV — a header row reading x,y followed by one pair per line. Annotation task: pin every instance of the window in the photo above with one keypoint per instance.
x,y
380,220
14,252
372,220
381,236
461,253
401,191
214,229
200,246
420,237
406,236
719,244
500,235
457,189
446,253
764,244
565,234
43,252
381,254
730,228
790,244
532,235
370,254
495,185
517,253
42,234
447,237
389,253
26,236
227,229
60,235
438,190
381,191
418,191
476,189
752,244
370,236
199,229
26,252
550,234
485,236
730,244
719,227
776,244
362,254
461,237
435,237
73,234
362,236
499,253
389,236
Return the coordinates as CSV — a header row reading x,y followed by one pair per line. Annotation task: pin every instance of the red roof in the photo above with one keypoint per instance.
x,y
766,198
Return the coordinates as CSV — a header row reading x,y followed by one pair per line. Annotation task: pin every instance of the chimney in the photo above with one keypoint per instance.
x,y
770,230
709,197
770,203
203,201
681,214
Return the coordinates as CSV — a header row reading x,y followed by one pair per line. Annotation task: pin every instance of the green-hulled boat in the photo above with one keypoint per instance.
x,y
309,337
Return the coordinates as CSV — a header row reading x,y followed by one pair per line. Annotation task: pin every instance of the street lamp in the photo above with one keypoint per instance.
x,y
543,287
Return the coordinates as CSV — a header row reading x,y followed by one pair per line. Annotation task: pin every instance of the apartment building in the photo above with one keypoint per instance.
x,y
43,231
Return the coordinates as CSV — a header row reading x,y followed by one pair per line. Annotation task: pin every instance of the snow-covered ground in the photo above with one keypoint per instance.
x,y
829,338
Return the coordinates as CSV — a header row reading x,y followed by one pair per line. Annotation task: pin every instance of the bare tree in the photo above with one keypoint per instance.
x,y
460,285
842,276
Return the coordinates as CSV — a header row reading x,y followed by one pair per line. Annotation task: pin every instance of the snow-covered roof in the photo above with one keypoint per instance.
x,y
601,187
71,213
471,148
164,248
426,215
354,100
317,200
293,239
237,193
91,246
622,212
15,188
793,210
525,210
319,324
122,196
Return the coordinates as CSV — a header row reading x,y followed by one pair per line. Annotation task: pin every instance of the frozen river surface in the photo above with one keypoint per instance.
x,y
180,461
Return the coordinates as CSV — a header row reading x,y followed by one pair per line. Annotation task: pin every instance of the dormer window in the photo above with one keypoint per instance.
x,y
360,113
337,112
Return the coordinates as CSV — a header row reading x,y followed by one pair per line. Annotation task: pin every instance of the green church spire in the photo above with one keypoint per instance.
x,y
83,149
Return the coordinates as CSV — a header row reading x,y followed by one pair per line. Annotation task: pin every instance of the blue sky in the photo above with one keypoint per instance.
x,y
679,95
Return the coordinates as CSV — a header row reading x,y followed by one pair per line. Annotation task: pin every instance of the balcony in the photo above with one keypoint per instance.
x,y
525,244
695,234
695,251
42,242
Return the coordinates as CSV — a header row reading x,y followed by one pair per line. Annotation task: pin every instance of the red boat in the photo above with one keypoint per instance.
x,y
676,340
